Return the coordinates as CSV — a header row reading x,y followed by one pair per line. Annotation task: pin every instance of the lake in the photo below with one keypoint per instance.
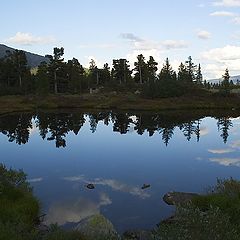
x,y
118,152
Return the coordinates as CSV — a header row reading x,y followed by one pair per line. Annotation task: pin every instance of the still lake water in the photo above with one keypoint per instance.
x,y
118,152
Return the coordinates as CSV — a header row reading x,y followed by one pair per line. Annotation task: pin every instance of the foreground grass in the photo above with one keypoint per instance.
x,y
127,101
214,216
19,211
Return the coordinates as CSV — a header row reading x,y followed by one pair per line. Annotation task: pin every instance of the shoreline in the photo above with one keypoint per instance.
x,y
9,104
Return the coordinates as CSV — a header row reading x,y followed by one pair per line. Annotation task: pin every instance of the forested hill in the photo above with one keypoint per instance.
x,y
33,59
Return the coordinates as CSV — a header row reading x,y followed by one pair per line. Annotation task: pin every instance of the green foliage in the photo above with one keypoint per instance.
x,y
17,204
56,233
225,86
225,196
213,216
42,80
192,224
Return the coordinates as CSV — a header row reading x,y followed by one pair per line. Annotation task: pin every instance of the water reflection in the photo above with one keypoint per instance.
x,y
113,184
73,211
56,126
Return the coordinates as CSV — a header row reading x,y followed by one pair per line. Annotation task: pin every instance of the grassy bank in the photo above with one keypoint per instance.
x,y
116,101
20,210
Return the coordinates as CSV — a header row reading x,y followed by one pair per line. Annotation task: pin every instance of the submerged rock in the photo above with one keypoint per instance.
x,y
177,198
97,227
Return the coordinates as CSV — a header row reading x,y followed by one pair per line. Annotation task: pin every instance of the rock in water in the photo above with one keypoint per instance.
x,y
97,227
177,198
144,186
90,186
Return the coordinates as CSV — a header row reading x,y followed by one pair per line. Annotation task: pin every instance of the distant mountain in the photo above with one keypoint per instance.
x,y
33,59
233,78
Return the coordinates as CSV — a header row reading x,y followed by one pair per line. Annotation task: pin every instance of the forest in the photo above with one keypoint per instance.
x,y
56,76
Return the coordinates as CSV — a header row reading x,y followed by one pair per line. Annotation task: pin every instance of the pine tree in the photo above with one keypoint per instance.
x,y
199,76
141,70
42,79
191,69
75,72
121,72
55,65
226,83
152,69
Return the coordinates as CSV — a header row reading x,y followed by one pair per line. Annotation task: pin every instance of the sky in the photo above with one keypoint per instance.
x,y
103,30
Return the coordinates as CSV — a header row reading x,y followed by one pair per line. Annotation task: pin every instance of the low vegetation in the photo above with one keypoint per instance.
x,y
19,211
212,216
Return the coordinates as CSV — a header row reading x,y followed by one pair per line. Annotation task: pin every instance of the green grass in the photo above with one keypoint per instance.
x,y
213,216
19,211
121,101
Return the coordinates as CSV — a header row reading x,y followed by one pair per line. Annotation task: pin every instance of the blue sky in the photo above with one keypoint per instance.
x,y
208,30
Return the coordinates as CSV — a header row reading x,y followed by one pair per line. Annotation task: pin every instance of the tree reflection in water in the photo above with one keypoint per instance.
x,y
55,126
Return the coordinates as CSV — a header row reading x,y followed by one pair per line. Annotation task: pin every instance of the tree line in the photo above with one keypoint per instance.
x,y
58,76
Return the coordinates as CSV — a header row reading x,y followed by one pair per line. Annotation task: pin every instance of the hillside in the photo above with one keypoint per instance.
x,y
33,59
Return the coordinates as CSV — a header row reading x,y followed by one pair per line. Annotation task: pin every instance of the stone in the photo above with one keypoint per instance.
x,y
90,186
144,186
177,198
97,227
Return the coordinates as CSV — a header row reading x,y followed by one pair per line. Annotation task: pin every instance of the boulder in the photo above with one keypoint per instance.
x,y
97,227
177,198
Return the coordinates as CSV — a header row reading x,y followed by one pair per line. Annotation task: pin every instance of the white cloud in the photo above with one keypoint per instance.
x,y
221,151
74,178
202,34
236,20
227,3
115,185
235,144
222,14
228,52
153,48
204,131
34,180
236,36
28,39
131,37
226,161
222,58
214,70
88,60
174,44
144,44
